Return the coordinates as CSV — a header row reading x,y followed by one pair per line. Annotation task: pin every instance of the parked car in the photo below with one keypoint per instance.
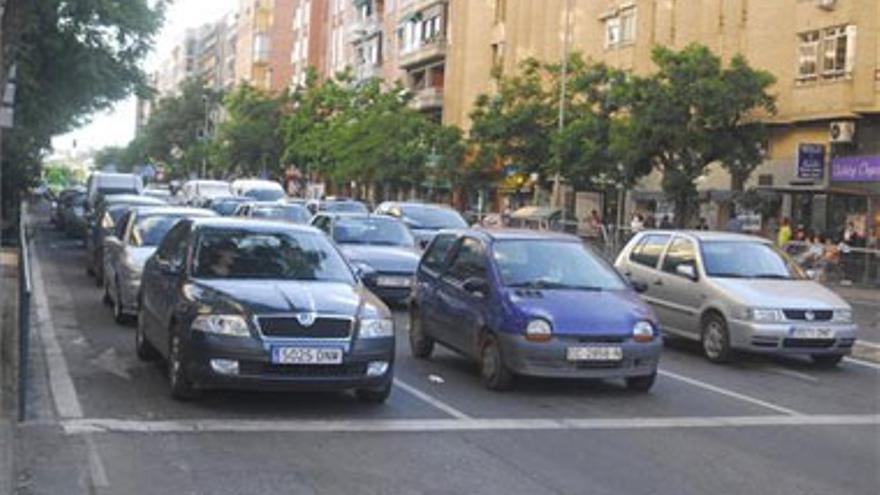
x,y
274,211
531,303
737,292
258,189
381,249
159,192
226,205
424,220
102,184
103,222
336,205
58,204
198,192
231,303
135,239
74,215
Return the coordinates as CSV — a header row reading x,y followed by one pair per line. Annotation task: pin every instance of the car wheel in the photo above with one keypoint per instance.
x,y
493,370
716,339
181,387
827,360
420,344
106,299
118,311
143,348
374,395
641,383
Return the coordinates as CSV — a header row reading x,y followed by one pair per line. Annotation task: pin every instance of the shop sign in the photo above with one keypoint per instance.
x,y
856,169
811,161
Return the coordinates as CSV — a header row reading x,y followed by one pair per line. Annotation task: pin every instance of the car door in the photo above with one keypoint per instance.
x,y
642,266
680,296
113,246
160,285
430,269
460,312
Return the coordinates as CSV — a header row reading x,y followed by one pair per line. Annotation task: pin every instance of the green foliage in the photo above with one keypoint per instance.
x,y
249,140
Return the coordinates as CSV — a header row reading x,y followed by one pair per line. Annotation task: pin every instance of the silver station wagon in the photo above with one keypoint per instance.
x,y
737,292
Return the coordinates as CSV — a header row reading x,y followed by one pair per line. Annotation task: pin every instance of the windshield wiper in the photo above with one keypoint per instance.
x,y
545,284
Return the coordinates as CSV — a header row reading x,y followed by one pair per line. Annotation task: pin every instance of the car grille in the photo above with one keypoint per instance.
x,y
346,370
289,326
601,339
808,343
801,314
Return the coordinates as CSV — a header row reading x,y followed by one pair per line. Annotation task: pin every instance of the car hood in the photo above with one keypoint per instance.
x,y
765,293
383,258
573,312
284,297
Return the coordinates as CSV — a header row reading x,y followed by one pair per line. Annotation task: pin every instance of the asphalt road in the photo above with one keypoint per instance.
x,y
759,426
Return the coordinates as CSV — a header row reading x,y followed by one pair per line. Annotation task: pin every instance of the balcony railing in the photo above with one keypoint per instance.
x,y
428,99
428,51
364,28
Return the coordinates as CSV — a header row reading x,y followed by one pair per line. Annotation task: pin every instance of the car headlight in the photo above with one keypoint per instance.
x,y
229,325
372,328
844,315
643,331
539,330
764,315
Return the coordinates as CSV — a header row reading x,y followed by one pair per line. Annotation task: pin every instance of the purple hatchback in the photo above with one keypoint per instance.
x,y
532,303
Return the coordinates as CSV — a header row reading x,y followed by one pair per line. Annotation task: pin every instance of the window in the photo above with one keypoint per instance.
x,y
435,258
500,11
829,53
612,32
680,252
834,52
648,251
173,247
469,261
808,55
620,28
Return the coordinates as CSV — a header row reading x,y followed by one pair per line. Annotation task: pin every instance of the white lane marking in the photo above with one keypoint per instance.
x,y
97,472
63,391
862,362
439,404
110,362
791,373
866,343
728,393
109,425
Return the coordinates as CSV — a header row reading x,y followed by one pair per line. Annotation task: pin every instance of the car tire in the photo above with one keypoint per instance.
x,y
826,360
420,344
715,339
106,299
641,383
181,387
143,348
118,311
374,395
493,370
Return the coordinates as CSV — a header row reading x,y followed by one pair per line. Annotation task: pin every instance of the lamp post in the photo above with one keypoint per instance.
x,y
563,91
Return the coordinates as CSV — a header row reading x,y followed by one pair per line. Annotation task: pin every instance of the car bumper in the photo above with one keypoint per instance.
x,y
776,338
128,291
256,371
392,294
548,359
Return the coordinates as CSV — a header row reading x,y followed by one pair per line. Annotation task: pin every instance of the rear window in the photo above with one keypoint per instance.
x,y
647,251
437,253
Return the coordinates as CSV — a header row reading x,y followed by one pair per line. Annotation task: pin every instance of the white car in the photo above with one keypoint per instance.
x,y
258,189
199,192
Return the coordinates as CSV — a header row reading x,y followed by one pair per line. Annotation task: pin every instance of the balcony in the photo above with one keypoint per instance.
x,y
407,7
364,28
429,51
428,99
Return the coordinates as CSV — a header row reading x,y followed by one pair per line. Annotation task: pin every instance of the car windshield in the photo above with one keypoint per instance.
x,y
226,207
371,230
434,218
211,190
149,231
553,264
345,207
264,194
288,213
278,255
738,259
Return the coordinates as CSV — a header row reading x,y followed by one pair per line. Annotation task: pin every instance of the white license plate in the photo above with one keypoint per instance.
x,y
594,353
813,333
394,281
306,355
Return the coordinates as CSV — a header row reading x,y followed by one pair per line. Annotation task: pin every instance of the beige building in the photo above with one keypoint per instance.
x,y
825,55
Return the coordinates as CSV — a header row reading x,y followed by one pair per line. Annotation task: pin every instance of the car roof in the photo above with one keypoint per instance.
x,y
208,182
250,224
354,214
113,199
172,210
709,235
416,204
506,234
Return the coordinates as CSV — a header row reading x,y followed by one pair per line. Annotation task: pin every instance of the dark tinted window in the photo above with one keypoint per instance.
x,y
149,231
225,207
378,231
680,252
435,257
276,255
648,250
322,222
742,259
173,247
287,213
264,194
469,261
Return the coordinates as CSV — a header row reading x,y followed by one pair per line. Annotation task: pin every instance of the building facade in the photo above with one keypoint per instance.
x,y
264,43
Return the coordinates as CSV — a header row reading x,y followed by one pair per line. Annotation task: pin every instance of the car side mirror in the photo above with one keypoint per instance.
x,y
639,287
687,271
477,286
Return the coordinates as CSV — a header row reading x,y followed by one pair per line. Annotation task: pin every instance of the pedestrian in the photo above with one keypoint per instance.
x,y
665,223
650,221
703,225
783,237
637,224
595,221
850,234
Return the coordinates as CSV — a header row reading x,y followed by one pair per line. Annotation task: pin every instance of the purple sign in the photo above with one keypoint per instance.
x,y
856,169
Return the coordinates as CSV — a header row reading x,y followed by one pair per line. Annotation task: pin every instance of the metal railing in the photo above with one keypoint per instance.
x,y
838,263
25,289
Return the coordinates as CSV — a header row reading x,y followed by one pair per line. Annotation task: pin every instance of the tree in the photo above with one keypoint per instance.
x,y
250,140
111,156
693,112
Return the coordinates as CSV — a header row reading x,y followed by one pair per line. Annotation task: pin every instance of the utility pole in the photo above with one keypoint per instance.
x,y
563,93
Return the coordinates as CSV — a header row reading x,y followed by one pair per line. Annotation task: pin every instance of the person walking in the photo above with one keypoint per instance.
x,y
783,237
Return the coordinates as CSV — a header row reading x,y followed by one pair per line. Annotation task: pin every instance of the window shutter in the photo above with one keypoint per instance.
x,y
850,48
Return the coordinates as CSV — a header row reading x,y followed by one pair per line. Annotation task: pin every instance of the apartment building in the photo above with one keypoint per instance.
x,y
423,43
823,156
264,43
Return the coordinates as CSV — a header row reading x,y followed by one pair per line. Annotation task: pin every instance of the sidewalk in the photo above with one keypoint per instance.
x,y
864,295
8,328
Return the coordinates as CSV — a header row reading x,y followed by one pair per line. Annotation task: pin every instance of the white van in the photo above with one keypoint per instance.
x,y
198,192
258,189
103,184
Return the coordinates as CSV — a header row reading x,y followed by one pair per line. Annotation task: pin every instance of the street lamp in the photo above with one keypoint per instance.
x,y
563,91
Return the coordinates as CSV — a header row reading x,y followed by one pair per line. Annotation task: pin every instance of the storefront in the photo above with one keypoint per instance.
x,y
859,178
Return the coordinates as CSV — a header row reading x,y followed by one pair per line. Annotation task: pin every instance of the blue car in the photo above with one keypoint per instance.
x,y
531,303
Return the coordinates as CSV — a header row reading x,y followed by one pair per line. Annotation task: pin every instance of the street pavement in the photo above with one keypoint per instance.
x,y
105,422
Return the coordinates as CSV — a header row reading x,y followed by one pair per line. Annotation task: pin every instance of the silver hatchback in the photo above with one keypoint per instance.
x,y
737,292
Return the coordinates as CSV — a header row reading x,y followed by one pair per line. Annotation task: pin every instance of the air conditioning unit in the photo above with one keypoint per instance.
x,y
842,131
826,4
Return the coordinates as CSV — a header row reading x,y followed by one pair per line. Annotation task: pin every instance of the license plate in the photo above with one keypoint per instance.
x,y
813,333
306,355
594,353
394,281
